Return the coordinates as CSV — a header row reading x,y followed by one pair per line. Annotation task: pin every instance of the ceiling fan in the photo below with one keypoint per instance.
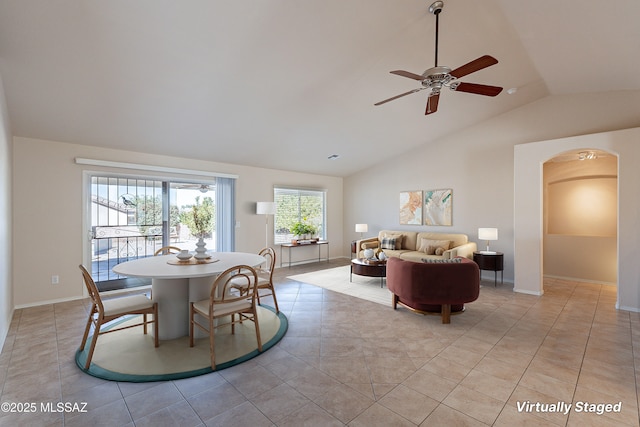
x,y
203,188
438,77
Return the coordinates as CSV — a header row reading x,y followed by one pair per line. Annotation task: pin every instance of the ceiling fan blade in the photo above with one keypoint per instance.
x,y
407,74
473,66
400,96
478,89
432,104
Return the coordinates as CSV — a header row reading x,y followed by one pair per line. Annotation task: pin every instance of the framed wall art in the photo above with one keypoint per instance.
x,y
411,207
438,207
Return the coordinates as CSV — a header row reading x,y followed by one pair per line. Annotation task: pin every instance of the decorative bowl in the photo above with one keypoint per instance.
x,y
184,255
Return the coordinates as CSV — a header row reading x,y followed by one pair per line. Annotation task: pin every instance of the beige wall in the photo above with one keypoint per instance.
x,y
48,207
6,289
478,164
581,219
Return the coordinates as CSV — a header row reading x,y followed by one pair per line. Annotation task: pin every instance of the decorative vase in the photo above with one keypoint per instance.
x,y
201,250
368,253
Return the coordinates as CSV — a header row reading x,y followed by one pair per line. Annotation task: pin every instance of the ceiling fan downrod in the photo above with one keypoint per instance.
x,y
435,9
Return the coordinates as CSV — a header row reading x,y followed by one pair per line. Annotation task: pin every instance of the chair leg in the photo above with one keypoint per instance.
x,y
212,345
275,300
92,347
255,321
394,301
155,324
446,313
86,331
144,323
191,316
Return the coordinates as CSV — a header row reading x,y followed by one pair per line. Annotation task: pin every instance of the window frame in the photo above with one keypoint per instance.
x,y
279,191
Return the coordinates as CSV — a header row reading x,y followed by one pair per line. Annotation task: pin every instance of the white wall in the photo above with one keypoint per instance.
x,y
478,164
47,209
6,289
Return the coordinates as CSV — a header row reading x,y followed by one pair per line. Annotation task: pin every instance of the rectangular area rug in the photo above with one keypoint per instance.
x,y
337,279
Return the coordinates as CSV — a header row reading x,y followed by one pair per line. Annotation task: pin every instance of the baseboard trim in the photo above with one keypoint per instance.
x,y
578,279
52,301
527,292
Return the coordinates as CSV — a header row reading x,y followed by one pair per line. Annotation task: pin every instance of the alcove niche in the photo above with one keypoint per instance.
x,y
580,216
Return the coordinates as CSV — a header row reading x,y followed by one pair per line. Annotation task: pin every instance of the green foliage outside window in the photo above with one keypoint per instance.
x,y
149,214
200,218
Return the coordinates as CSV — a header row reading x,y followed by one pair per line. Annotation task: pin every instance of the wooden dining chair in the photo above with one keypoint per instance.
x,y
223,304
166,250
103,311
265,278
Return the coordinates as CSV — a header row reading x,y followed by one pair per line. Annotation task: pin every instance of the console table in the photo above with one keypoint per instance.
x,y
290,246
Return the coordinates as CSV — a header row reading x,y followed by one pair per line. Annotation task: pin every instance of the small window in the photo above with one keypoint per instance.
x,y
299,206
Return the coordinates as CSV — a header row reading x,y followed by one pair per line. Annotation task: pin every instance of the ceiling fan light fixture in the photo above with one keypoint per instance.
x,y
587,155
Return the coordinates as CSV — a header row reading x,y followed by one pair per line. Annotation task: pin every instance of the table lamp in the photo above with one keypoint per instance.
x,y
488,234
361,228
266,209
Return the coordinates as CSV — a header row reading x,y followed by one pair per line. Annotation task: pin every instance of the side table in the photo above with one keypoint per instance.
x,y
491,261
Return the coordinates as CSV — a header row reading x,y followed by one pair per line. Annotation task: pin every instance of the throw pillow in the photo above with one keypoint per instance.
x,y
389,243
442,261
430,247
399,239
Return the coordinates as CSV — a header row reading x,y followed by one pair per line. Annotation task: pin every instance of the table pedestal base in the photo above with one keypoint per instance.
x,y
173,297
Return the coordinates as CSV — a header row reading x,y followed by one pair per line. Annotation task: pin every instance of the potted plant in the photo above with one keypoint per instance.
x,y
298,230
303,230
200,222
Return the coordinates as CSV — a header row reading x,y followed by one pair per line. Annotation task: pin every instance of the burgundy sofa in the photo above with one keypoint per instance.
x,y
433,287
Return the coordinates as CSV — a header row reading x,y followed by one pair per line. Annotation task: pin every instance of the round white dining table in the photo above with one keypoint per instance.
x,y
175,286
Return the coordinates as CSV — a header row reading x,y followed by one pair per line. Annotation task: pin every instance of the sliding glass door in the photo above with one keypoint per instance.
x,y
134,217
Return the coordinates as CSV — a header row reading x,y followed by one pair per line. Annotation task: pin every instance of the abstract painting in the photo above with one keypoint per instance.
x,y
437,207
411,207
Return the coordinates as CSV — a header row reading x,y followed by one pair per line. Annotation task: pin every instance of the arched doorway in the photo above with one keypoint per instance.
x,y
528,209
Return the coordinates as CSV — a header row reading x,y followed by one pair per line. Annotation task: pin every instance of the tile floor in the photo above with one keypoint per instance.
x,y
346,361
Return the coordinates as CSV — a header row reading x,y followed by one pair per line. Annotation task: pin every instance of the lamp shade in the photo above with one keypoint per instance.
x,y
488,233
265,208
362,228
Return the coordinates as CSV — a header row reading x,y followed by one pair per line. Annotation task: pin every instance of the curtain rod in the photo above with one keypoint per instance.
x,y
123,165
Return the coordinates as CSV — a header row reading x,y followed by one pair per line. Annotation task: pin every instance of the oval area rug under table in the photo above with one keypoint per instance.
x,y
130,356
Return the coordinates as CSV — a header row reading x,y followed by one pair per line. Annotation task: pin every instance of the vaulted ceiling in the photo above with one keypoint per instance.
x,y
284,84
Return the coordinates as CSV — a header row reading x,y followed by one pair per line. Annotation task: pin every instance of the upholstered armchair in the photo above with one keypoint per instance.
x,y
433,287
